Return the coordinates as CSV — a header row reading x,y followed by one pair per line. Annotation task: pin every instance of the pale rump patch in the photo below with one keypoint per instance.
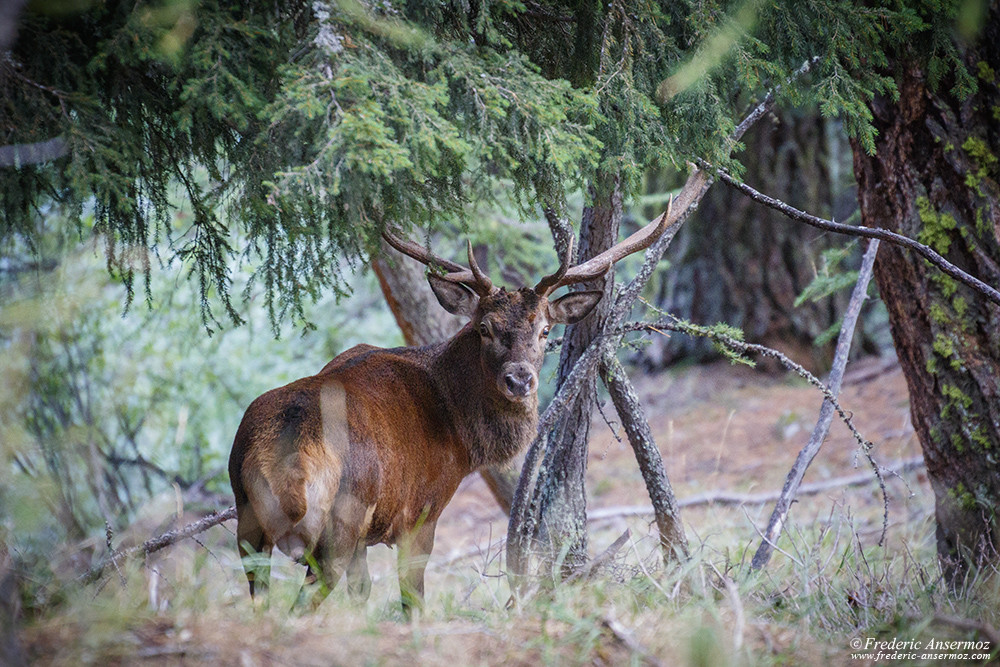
x,y
333,410
321,464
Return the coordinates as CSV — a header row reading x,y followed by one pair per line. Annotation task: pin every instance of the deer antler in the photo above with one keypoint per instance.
x,y
597,266
549,283
472,277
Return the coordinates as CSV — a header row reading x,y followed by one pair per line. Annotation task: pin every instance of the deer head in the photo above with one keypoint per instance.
x,y
513,325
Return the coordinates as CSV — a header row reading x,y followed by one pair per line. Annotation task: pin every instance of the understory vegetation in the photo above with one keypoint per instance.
x,y
832,584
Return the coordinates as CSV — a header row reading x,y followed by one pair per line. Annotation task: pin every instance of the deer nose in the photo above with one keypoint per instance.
x,y
519,381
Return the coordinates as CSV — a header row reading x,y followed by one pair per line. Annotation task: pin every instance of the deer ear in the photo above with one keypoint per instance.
x,y
456,298
573,307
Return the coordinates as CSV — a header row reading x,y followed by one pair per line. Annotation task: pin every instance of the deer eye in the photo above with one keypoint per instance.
x,y
545,331
484,329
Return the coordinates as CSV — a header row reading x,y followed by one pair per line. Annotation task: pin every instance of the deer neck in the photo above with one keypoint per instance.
x,y
492,428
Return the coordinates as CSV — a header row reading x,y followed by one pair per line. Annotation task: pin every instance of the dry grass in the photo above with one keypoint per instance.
x,y
830,583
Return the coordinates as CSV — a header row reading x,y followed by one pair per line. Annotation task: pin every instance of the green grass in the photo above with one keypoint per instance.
x,y
831,583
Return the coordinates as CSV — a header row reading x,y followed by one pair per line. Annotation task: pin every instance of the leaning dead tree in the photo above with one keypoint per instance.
x,y
794,479
559,450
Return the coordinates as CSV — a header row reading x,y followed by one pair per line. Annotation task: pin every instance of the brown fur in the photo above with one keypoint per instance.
x,y
371,449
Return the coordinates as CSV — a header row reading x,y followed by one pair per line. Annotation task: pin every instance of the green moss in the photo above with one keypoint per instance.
x,y
965,499
958,442
931,365
943,346
982,224
985,72
960,305
945,283
957,403
939,315
956,396
945,349
937,227
980,437
986,161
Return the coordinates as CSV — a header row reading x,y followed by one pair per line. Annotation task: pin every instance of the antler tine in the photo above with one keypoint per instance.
x,y
597,266
474,278
483,284
549,283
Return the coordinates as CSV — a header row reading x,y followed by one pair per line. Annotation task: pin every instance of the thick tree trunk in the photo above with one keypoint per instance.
x,y
560,498
741,263
934,178
423,321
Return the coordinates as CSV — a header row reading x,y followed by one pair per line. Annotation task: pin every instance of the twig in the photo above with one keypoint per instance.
x,y
671,323
982,627
622,634
927,253
159,542
601,558
811,449
733,498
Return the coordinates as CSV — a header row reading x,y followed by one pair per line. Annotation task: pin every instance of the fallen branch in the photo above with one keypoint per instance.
x,y
732,498
159,542
812,447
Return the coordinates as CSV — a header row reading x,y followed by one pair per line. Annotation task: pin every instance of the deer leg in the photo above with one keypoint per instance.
x,y
414,550
359,582
255,550
323,570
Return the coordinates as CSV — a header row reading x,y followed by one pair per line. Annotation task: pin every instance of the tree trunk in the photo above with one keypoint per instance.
x,y
934,178
423,321
741,263
560,498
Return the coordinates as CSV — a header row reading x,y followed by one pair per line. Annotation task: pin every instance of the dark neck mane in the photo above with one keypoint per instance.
x,y
493,428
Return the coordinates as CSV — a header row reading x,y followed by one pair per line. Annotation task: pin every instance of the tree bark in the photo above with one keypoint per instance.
x,y
740,263
934,178
423,321
560,497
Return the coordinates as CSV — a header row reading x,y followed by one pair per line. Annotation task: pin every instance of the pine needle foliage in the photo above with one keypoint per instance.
x,y
289,134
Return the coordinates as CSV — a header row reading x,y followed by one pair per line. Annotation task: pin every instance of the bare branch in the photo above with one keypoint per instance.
x,y
738,499
927,253
670,323
159,542
809,452
518,534
640,437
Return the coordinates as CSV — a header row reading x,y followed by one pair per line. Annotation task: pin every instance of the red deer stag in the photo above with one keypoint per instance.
x,y
371,449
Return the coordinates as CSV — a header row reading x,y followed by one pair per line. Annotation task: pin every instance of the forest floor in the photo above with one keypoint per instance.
x,y
720,428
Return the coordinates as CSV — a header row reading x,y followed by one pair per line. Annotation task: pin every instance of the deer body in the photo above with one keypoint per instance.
x,y
371,449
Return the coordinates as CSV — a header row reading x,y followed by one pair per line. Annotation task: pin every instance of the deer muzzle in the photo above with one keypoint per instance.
x,y
519,381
